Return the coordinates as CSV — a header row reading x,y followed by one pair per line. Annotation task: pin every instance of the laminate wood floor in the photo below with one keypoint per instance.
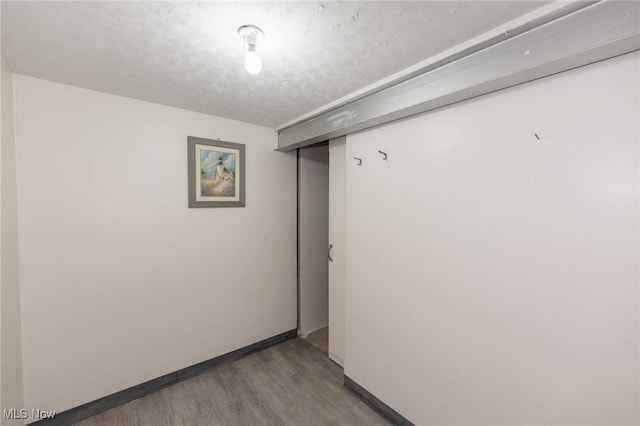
x,y
320,339
292,383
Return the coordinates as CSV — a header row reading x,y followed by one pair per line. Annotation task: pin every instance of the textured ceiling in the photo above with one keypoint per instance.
x,y
188,54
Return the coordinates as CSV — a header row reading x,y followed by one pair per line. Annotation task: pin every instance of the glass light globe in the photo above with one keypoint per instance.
x,y
252,63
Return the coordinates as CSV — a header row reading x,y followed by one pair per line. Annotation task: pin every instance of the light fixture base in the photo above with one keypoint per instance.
x,y
250,32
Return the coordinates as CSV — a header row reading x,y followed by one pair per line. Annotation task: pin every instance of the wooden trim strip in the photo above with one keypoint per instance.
x,y
99,405
383,409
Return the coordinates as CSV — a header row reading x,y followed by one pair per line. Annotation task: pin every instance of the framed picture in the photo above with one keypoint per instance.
x,y
216,173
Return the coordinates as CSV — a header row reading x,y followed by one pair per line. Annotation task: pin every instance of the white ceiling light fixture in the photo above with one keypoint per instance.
x,y
251,34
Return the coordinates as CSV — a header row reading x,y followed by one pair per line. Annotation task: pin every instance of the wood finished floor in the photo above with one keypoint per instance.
x,y
320,339
292,383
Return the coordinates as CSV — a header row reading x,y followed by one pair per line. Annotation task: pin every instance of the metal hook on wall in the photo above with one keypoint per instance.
x,y
384,154
359,160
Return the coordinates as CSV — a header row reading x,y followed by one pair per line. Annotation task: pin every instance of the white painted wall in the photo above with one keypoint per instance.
x,y
493,277
121,281
11,350
313,217
337,224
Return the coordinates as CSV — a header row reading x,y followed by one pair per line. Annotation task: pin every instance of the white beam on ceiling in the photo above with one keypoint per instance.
x,y
577,35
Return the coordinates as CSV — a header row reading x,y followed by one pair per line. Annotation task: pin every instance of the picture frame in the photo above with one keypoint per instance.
x,y
216,173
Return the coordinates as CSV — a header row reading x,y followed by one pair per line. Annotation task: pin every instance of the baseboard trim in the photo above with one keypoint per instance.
x,y
336,359
383,409
99,405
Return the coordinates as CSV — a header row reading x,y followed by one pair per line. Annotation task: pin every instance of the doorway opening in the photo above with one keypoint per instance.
x,y
313,243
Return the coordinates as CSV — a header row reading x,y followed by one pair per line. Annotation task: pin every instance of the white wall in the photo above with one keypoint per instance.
x,y
493,277
121,281
313,217
337,225
11,352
